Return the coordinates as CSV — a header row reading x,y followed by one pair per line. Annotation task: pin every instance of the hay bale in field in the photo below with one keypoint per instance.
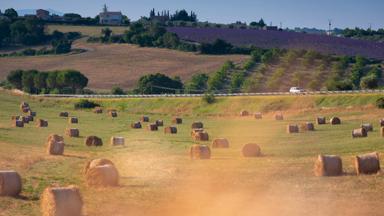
x,y
63,114
113,113
177,120
144,119
72,132
381,122
359,132
292,128
30,118
382,131
367,126
18,123
55,137
24,119
321,120
335,121
98,110
200,152
159,123
96,162
115,141
196,125
73,120
279,117
93,141
10,183
152,127
170,130
307,126
251,150
41,123
24,107
328,165
367,163
61,201
55,147
201,136
136,125
102,176
258,115
220,143
244,113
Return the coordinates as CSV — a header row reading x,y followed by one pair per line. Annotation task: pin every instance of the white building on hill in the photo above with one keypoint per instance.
x,y
110,18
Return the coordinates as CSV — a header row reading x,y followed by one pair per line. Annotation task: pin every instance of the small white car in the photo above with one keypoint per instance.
x,y
296,90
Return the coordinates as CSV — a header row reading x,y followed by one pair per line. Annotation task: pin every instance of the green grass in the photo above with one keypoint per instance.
x,y
157,177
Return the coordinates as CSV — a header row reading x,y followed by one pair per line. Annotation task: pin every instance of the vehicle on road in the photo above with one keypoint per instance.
x,y
296,90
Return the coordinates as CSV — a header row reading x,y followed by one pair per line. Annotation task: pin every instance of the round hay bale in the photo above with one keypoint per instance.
x,y
328,165
93,141
61,201
10,183
31,113
381,122
73,120
136,125
382,131
177,120
258,115
102,176
41,123
335,121
367,163
30,118
152,127
18,123
200,152
201,136
24,107
367,126
244,113
359,132
220,143
55,148
251,150
144,119
97,162
292,128
170,130
307,126
113,113
279,117
159,123
321,120
72,132
63,114
197,125
55,137
24,119
116,141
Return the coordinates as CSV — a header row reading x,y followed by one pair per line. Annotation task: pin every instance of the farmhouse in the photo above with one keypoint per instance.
x,y
110,18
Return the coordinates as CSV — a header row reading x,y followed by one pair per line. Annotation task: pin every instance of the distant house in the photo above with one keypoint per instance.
x,y
43,14
110,18
270,28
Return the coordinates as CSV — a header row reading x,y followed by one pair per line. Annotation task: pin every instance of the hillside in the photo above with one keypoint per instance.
x,y
283,39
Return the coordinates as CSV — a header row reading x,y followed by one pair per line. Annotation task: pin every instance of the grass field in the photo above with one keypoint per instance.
x,y
158,178
86,30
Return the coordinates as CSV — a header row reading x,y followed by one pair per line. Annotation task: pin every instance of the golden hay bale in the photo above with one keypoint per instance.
x,y
18,123
200,152
177,120
328,165
279,117
367,164
152,127
251,150
63,114
201,136
244,113
359,132
220,143
136,125
159,123
96,162
24,107
335,121
31,113
144,119
73,120
93,141
367,126
61,201
382,131
381,122
55,147
102,176
113,113
72,132
170,130
258,115
196,125
98,110
292,128
41,123
10,183
115,141
321,120
307,126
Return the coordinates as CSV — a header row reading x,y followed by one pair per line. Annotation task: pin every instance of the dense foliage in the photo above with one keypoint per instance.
x,y
85,104
158,84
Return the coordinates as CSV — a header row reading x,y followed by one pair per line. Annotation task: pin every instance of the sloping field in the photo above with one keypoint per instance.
x,y
120,64
283,39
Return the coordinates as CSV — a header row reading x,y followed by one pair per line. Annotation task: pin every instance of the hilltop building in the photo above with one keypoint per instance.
x,y
110,18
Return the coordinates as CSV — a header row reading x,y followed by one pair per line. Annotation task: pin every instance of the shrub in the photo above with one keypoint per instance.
x,y
209,98
117,91
369,82
85,104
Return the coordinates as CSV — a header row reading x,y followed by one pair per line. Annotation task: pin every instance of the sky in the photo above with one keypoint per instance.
x,y
290,13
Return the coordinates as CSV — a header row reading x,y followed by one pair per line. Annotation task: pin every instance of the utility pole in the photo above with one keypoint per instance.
x,y
329,26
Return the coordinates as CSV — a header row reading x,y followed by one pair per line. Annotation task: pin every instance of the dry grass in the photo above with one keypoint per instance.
x,y
85,30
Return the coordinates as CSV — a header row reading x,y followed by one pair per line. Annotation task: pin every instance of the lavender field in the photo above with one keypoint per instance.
x,y
283,39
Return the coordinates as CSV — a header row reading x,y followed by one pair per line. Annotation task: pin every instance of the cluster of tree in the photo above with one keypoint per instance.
x,y
158,84
181,15
259,24
55,82
364,33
